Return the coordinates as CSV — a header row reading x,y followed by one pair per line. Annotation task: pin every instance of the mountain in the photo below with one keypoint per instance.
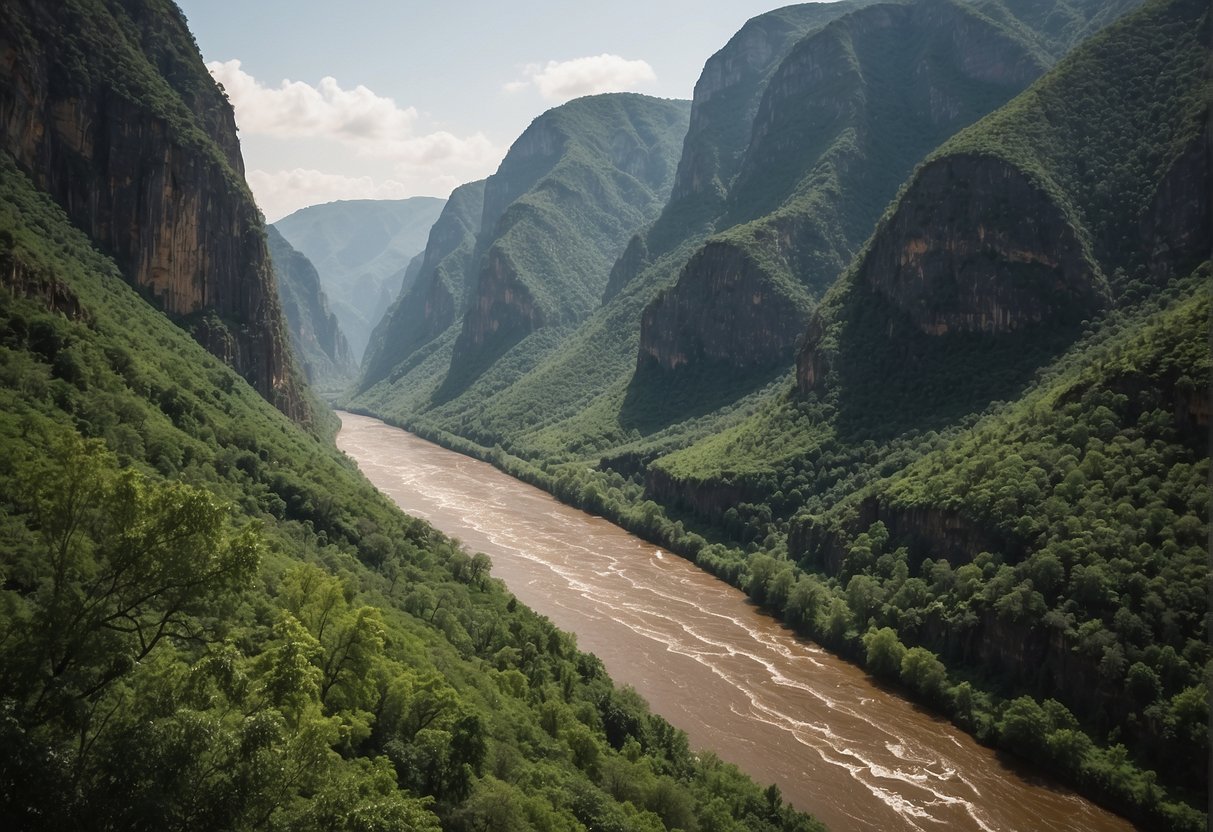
x,y
208,618
109,108
846,116
921,366
1004,387
319,343
361,249
554,216
439,290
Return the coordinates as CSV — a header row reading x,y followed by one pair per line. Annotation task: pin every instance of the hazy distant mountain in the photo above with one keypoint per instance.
x,y
316,335
361,249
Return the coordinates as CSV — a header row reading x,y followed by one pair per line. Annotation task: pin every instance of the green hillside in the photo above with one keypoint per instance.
x,y
210,620
556,214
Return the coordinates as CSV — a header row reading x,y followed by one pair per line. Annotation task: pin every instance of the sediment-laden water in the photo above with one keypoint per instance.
x,y
781,708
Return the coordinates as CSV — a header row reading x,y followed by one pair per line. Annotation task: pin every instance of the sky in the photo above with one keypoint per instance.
x,y
373,99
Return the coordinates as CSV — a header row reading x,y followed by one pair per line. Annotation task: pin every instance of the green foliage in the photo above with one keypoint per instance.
x,y
209,620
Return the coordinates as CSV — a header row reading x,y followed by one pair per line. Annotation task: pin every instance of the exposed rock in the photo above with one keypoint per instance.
x,y
976,246
629,265
151,172
737,316
503,309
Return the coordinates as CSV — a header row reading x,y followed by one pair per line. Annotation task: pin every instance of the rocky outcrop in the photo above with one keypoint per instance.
x,y
708,499
503,310
629,265
736,315
977,246
926,531
813,360
974,246
148,165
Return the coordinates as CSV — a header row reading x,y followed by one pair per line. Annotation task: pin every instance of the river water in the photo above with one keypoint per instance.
x,y
739,684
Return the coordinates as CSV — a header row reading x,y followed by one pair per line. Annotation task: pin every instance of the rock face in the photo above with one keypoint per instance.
x,y
114,115
843,119
1178,226
745,321
976,247
319,344
503,307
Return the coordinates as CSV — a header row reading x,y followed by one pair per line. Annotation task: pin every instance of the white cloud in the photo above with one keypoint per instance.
x,y
562,80
294,108
323,123
281,192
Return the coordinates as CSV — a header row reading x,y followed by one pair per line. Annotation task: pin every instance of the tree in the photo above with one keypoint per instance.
x,y
123,564
884,652
922,671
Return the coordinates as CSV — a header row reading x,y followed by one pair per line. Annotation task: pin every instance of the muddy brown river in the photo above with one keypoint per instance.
x,y
739,684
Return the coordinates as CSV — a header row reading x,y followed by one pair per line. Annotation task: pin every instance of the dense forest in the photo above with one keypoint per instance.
x,y
945,413
208,618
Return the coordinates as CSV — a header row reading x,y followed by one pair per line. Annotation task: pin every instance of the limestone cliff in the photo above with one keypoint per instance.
x,y
110,110
975,246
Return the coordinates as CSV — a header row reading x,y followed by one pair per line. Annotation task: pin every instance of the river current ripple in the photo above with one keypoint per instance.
x,y
784,710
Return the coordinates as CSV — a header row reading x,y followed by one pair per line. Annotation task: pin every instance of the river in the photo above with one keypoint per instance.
x,y
784,710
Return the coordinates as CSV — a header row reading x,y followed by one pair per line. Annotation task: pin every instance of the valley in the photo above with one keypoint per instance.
x,y
854,753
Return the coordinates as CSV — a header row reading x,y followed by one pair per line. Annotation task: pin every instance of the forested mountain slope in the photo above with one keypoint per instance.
x,y
554,217
210,620
108,106
361,249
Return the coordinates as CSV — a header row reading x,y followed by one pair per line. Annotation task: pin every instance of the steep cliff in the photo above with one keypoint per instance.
x,y
746,323
846,115
319,343
361,248
109,108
